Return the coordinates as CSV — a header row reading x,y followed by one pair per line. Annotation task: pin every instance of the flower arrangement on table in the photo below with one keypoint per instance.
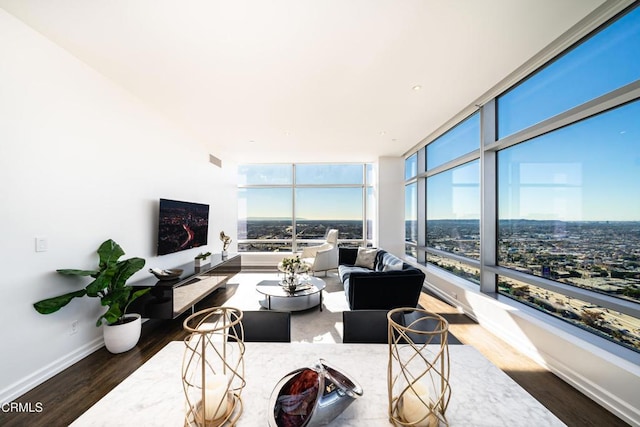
x,y
292,267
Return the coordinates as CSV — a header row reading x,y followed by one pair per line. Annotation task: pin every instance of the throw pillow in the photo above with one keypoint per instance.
x,y
366,257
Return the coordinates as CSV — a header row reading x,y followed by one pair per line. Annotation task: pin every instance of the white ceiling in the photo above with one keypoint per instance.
x,y
304,80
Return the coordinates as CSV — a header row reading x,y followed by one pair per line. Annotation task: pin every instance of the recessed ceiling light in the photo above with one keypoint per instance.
x,y
252,141
382,133
417,87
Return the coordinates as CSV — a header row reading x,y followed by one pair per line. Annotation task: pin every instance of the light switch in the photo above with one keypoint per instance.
x,y
42,244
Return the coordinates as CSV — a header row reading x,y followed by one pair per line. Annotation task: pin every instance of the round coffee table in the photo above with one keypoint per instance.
x,y
277,298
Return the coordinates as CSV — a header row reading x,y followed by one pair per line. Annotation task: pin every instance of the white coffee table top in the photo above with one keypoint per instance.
x,y
481,394
308,286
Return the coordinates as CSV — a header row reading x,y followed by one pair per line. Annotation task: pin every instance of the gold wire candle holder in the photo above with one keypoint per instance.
x,y
213,367
418,371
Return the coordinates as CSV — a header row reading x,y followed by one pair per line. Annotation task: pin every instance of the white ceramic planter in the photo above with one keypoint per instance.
x,y
121,338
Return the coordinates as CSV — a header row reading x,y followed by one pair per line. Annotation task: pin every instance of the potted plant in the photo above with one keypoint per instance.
x,y
202,259
121,330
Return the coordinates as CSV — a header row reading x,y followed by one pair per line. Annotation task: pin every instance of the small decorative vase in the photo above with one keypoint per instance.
x,y
312,396
290,282
224,254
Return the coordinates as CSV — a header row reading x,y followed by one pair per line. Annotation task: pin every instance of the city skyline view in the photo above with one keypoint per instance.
x,y
600,256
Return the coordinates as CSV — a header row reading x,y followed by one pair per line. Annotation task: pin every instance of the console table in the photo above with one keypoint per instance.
x,y
170,298
481,394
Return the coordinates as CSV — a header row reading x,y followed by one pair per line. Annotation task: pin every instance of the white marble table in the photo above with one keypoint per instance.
x,y
481,394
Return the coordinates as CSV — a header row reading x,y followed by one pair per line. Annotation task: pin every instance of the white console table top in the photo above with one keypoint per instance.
x,y
481,394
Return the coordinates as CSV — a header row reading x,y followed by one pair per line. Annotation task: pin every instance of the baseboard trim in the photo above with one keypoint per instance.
x,y
19,388
594,391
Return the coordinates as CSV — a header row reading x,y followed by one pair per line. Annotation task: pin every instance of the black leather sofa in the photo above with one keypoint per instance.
x,y
390,284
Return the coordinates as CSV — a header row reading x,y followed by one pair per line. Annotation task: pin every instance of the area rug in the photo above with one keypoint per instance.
x,y
313,325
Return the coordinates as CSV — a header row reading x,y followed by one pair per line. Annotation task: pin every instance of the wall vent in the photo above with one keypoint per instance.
x,y
216,161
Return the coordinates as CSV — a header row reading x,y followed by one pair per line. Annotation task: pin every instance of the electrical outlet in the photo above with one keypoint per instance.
x,y
74,327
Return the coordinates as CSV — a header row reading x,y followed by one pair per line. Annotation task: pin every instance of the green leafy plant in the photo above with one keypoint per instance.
x,y
109,285
203,255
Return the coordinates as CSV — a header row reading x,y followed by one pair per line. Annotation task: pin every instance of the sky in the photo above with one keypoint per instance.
x,y
337,203
311,203
587,171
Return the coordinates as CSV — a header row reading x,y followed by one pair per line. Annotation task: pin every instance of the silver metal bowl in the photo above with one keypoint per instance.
x,y
311,396
170,274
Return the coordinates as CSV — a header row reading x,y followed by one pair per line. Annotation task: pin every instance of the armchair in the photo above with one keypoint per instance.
x,y
323,257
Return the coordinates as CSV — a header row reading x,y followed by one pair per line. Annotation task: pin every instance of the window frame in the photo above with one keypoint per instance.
x,y
487,153
296,243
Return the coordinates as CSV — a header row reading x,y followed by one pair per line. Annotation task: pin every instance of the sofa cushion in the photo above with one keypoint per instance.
x,y
366,257
388,262
379,256
344,271
396,266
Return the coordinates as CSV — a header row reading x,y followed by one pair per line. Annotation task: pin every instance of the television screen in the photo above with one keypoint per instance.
x,y
181,225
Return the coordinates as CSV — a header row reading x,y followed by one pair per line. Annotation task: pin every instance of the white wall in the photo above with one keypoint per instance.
x,y
390,215
81,161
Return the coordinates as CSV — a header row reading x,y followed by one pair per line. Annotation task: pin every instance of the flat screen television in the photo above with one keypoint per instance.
x,y
181,225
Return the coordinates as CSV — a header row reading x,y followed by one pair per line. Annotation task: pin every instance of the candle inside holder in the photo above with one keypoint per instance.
x,y
215,396
416,405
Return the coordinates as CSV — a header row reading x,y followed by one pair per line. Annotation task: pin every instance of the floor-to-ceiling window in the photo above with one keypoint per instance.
x,y
547,173
411,205
453,200
370,204
284,207
265,208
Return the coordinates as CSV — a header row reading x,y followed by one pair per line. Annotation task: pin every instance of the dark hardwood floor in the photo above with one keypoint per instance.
x,y
70,393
